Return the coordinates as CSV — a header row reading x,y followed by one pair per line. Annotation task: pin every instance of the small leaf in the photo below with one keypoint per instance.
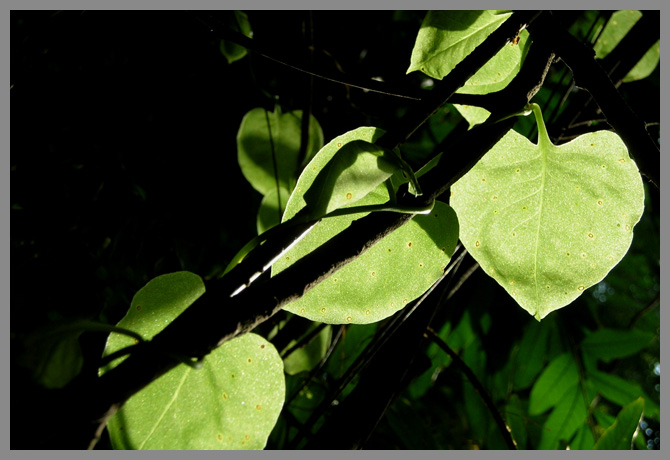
x,y
53,354
615,30
232,402
545,221
269,142
553,384
646,65
236,20
515,417
566,418
307,357
530,358
607,344
271,209
621,392
620,435
357,168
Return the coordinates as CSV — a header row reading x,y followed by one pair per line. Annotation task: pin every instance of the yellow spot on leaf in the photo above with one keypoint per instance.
x,y
590,235
477,243
258,407
323,310
348,319
581,288
349,196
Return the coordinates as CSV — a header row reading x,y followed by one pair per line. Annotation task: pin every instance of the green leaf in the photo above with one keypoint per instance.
x,y
53,353
473,115
531,355
621,392
583,439
607,344
646,65
267,140
447,37
236,20
615,30
566,418
620,23
271,209
515,417
355,170
308,356
559,377
620,435
232,402
545,221
385,278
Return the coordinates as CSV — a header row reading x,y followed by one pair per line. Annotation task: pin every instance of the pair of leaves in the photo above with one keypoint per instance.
x,y
268,151
545,221
392,273
615,30
447,37
232,402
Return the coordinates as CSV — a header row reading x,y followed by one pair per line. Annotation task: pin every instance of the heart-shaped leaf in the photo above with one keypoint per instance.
x,y
545,221
232,402
384,279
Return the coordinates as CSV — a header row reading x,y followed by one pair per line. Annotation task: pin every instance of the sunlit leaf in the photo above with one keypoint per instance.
x,y
232,402
646,65
354,171
384,279
620,23
545,221
447,37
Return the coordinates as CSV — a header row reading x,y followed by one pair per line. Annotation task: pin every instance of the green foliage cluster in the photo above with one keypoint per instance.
x,y
551,223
